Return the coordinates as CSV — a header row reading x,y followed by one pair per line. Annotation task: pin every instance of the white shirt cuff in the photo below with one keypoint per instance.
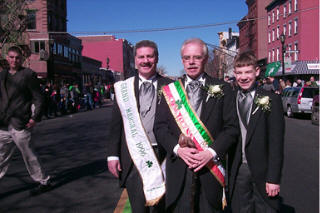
x,y
110,158
214,154
175,149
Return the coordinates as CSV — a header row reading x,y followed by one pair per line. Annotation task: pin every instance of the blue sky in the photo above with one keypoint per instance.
x,y
118,15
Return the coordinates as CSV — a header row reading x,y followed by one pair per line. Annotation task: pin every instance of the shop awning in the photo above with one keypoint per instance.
x,y
296,68
272,69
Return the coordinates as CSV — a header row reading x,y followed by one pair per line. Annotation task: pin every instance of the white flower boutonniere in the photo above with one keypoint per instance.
x,y
263,102
214,91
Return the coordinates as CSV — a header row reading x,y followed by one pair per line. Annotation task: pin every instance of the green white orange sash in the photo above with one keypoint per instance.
x,y
139,146
190,124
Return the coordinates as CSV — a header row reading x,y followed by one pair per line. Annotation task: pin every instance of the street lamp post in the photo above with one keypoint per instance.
x,y
283,39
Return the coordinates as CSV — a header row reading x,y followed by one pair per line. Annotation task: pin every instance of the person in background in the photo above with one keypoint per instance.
x,y
20,89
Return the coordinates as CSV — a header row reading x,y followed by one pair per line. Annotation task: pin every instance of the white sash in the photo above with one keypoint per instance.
x,y
139,146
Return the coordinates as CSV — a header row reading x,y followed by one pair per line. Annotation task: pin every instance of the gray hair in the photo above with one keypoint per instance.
x,y
195,41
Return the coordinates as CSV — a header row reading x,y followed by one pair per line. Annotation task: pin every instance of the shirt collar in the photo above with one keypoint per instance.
x,y
200,78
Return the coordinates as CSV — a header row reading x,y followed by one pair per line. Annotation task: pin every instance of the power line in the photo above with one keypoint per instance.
x,y
176,27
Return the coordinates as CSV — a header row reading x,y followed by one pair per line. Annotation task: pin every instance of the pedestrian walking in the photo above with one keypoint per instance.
x,y
20,89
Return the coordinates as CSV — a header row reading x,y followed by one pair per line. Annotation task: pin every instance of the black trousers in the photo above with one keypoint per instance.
x,y
246,197
192,198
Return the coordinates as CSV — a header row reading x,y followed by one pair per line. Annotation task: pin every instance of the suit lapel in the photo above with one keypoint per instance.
x,y
136,90
207,106
254,117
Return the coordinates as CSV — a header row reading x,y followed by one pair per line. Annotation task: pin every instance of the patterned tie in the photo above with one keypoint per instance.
x,y
194,94
244,104
146,95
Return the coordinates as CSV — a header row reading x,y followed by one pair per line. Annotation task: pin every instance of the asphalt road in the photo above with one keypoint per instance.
x,y
72,149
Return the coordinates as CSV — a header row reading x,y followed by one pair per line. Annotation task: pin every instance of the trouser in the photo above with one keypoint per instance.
x,y
12,138
246,197
192,198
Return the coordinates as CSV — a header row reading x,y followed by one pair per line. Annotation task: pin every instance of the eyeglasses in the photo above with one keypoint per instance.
x,y
194,58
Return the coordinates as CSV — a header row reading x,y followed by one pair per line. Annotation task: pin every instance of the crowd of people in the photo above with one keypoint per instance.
x,y
70,98
277,85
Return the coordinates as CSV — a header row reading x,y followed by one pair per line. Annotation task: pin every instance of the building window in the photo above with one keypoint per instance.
x,y
272,16
36,46
284,11
296,51
289,49
278,32
295,5
284,29
269,56
289,28
278,13
272,55
295,26
269,37
278,54
54,48
269,19
60,49
65,52
289,7
272,34
31,19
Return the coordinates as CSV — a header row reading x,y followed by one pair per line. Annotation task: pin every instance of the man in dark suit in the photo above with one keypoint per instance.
x,y
256,165
20,89
190,185
120,162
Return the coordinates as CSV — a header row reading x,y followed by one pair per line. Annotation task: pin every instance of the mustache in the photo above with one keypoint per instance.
x,y
146,64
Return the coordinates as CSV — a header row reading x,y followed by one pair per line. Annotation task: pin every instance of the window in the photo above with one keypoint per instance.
x,y
65,52
60,49
289,29
296,51
36,46
295,26
289,7
278,32
284,29
278,13
272,34
272,55
269,19
269,36
295,5
269,57
31,19
284,11
272,16
278,54
54,48
289,49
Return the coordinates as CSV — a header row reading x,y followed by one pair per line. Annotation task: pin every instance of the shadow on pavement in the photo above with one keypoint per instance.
x,y
69,175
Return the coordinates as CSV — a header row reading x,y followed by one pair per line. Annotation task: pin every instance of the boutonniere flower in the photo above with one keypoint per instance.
x,y
263,102
215,91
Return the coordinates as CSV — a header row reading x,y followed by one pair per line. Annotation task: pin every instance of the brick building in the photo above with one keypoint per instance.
x,y
116,54
253,30
298,21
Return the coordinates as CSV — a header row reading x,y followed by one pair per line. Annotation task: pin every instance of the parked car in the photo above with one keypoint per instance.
x,y
315,110
298,99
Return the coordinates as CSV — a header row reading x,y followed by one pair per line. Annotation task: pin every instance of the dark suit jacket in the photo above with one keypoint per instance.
x,y
16,109
117,145
264,146
219,117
